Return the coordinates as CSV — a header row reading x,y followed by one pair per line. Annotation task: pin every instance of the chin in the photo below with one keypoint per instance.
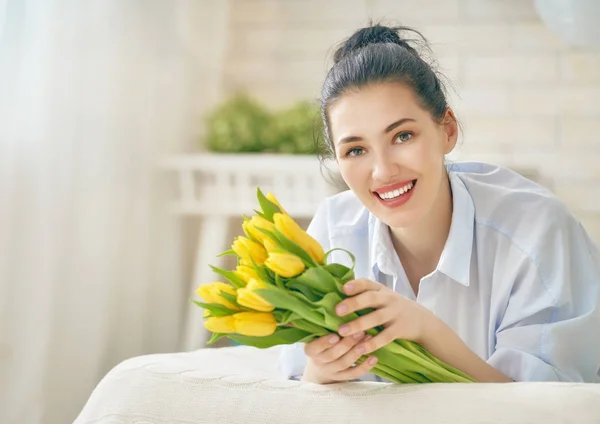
x,y
402,221
400,218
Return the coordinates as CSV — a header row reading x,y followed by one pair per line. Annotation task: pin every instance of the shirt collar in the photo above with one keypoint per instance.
x,y
382,248
455,261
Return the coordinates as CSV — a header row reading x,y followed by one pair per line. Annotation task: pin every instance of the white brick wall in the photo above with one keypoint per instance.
x,y
524,98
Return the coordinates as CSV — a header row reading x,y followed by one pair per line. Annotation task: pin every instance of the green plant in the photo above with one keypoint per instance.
x,y
293,130
237,126
243,125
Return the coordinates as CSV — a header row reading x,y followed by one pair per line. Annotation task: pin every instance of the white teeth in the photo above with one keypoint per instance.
x,y
395,193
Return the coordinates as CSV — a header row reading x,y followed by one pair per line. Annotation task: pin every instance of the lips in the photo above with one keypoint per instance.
x,y
395,195
394,190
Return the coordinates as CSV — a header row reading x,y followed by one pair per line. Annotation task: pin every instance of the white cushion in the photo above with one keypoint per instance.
x,y
242,385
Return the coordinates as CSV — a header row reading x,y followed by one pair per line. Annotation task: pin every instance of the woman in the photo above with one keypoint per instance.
x,y
482,267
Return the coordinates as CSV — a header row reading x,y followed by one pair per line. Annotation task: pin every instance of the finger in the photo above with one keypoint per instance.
x,y
348,359
367,299
360,285
321,344
377,342
339,349
365,322
358,371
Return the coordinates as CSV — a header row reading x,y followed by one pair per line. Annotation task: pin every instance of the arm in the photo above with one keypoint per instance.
x,y
549,330
406,319
445,344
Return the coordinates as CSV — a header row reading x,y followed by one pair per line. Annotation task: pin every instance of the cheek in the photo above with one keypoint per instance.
x,y
355,174
427,155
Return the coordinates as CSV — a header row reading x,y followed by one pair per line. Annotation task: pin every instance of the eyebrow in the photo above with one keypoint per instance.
x,y
391,127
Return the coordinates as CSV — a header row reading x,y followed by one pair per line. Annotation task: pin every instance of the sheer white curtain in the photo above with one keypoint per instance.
x,y
93,94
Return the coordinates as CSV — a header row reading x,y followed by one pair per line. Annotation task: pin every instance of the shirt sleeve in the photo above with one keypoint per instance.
x,y
292,359
550,330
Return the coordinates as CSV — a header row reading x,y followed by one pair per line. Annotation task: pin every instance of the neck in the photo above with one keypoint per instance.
x,y
420,246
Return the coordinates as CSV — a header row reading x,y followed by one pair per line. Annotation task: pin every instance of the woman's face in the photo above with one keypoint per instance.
x,y
390,151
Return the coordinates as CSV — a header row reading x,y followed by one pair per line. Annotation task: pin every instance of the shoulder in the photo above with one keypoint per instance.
x,y
512,204
517,218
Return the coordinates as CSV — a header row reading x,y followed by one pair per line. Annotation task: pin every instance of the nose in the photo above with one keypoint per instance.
x,y
384,168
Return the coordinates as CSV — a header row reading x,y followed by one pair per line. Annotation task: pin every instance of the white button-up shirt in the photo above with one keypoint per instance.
x,y
518,279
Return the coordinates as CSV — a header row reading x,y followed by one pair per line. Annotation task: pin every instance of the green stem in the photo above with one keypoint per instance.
x,y
424,365
421,351
385,371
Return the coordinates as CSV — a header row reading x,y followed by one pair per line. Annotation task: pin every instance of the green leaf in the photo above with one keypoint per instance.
x,y
284,299
337,270
263,273
352,257
227,252
215,309
269,208
310,293
231,276
326,306
341,272
286,335
215,337
233,300
279,281
320,279
308,326
282,317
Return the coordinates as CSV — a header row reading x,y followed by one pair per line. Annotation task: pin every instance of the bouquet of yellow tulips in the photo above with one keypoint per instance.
x,y
283,291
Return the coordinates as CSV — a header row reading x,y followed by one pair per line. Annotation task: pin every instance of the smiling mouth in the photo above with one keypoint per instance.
x,y
395,194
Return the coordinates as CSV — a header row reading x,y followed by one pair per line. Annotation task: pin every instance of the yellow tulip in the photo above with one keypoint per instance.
x,y
248,249
284,264
257,324
246,273
271,197
206,313
226,324
271,246
252,228
292,230
250,299
211,293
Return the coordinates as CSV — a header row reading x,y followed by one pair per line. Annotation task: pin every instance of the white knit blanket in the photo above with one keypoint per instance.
x,y
242,385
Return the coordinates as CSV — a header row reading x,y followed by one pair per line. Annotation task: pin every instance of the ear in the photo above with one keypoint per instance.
x,y
450,128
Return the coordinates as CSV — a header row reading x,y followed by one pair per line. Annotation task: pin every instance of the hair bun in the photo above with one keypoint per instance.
x,y
370,35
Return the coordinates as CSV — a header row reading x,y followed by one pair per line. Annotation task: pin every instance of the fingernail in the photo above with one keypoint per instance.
x,y
372,360
341,309
360,350
343,330
359,335
348,288
333,339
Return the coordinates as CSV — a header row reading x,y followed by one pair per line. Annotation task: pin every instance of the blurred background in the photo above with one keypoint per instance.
x,y
132,132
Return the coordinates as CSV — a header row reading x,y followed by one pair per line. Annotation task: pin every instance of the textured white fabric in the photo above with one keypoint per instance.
x,y
242,385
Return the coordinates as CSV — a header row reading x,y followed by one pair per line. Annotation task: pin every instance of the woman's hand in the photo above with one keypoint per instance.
x,y
401,317
331,359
